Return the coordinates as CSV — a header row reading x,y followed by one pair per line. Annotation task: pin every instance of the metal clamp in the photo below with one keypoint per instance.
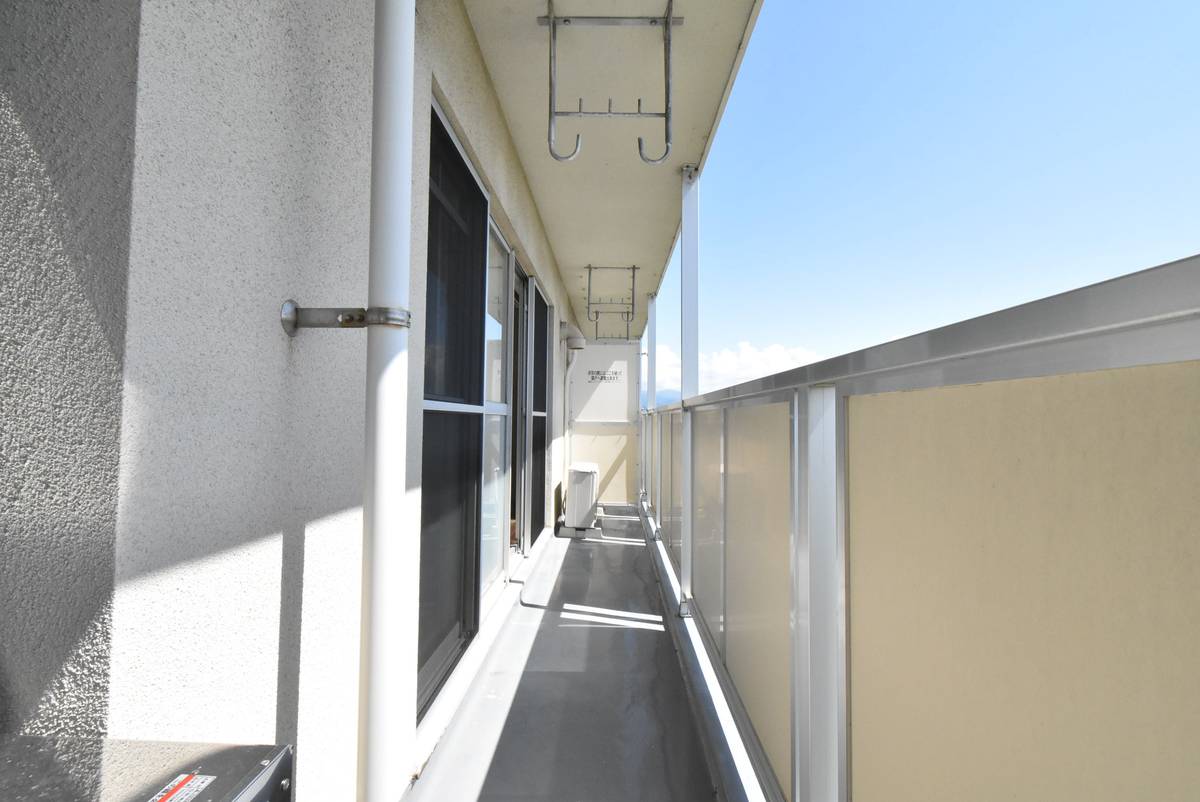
x,y
293,317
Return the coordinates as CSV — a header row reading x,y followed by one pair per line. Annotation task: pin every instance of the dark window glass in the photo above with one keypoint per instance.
x,y
457,267
451,458
517,411
449,537
538,478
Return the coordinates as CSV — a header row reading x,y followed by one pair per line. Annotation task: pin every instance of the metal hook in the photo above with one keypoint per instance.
x,y
551,133
590,313
666,92
660,159
551,143
553,113
629,315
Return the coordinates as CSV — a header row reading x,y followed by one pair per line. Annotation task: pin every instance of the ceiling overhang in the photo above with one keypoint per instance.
x,y
607,207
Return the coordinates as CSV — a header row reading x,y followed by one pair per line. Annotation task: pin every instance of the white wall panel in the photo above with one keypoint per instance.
x,y
604,383
614,450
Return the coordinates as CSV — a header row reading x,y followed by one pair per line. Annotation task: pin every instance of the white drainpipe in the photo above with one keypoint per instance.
x,y
391,535
575,342
567,416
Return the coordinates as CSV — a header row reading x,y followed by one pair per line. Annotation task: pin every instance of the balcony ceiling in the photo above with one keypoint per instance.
x,y
607,207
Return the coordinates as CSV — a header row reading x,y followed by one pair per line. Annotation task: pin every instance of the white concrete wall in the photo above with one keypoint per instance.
x,y
604,397
67,89
236,617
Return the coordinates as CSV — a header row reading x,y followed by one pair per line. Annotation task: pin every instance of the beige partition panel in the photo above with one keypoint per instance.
x,y
708,521
758,596
613,447
1024,590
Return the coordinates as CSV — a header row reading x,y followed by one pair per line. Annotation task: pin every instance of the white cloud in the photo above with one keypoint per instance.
x,y
729,366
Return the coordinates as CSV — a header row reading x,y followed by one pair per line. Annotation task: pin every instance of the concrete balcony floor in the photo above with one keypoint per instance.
x,y
581,698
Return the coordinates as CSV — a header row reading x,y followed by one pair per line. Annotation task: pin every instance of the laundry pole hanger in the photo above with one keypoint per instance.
x,y
627,309
666,22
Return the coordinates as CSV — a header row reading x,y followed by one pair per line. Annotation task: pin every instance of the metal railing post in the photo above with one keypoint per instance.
x,y
651,387
822,699
801,598
662,457
686,524
689,274
651,356
689,244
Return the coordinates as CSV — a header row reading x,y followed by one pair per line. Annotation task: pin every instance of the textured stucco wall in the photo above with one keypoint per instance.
x,y
67,73
238,559
182,483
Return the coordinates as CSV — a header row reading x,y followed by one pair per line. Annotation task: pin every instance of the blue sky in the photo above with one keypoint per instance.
x,y
883,168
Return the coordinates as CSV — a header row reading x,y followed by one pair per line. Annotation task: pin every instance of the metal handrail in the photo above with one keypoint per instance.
x,y
1151,316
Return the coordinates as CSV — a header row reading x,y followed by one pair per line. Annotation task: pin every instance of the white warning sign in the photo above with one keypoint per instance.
x,y
183,788
604,383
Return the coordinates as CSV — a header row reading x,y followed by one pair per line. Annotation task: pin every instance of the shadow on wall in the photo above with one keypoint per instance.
x,y
242,449
68,74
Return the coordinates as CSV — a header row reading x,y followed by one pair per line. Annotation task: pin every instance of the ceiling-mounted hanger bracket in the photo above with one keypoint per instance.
x,y
626,309
666,22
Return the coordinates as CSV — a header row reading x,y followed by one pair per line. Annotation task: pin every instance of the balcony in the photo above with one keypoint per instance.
x,y
308,312
952,534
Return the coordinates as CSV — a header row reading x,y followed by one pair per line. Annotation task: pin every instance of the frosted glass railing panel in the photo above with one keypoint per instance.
x,y
674,533
664,512
708,521
758,599
655,461
1025,555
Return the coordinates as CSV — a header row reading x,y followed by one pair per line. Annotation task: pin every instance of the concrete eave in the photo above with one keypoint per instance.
x,y
607,207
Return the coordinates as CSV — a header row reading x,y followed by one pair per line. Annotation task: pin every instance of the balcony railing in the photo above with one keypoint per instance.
x,y
968,553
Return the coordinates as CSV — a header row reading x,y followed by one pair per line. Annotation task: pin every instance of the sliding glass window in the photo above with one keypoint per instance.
x,y
495,512
483,405
453,447
539,424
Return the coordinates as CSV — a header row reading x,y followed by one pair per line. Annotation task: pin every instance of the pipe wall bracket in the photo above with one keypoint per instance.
x,y
294,317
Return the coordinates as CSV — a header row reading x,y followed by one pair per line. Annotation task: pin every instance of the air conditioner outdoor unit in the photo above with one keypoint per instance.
x,y
582,481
